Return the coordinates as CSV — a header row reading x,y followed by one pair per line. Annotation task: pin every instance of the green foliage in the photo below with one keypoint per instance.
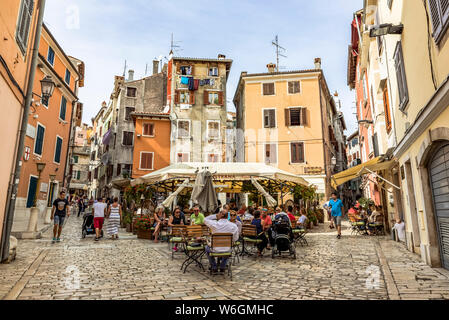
x,y
143,224
365,203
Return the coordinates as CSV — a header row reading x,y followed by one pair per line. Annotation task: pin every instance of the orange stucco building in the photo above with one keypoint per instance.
x,y
151,143
48,131
18,19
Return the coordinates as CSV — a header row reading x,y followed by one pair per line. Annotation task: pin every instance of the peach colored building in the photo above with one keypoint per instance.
x,y
151,143
18,19
290,120
48,132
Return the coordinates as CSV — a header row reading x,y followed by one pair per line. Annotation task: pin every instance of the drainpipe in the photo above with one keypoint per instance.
x,y
14,182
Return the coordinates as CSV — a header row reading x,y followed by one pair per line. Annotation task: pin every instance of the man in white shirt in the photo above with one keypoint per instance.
x,y
400,229
219,223
99,210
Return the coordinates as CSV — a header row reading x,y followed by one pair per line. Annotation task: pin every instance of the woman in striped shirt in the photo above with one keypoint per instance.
x,y
115,216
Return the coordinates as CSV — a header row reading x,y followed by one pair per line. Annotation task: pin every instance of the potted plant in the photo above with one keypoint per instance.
x,y
320,215
127,221
143,227
311,218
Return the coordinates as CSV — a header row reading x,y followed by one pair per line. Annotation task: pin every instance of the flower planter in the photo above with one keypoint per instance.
x,y
144,234
129,227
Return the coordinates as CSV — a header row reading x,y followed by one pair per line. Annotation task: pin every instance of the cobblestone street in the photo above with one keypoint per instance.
x,y
130,268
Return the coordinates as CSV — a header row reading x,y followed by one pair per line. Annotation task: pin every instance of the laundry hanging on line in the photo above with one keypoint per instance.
x,y
185,80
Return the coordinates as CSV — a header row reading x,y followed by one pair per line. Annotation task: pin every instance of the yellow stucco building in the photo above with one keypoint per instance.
x,y
418,69
291,121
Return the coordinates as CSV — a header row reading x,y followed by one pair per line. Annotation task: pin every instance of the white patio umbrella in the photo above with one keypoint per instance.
x,y
270,200
168,202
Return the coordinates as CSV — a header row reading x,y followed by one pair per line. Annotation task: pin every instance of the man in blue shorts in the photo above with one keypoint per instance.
x,y
336,206
58,214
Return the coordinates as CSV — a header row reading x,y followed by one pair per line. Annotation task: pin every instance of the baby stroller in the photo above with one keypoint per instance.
x,y
88,225
283,239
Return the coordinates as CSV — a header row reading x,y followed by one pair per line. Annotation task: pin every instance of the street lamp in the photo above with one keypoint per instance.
x,y
40,167
47,88
384,29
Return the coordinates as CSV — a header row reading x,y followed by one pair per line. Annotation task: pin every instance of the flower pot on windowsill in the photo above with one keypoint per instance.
x,y
144,234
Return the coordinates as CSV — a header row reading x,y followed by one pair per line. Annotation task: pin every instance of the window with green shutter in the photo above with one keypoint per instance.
x,y
58,150
39,141
63,109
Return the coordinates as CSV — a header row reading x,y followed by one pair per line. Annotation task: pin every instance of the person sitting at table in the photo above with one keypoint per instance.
x,y
376,216
197,218
159,222
249,214
302,219
234,218
219,223
177,218
242,210
290,213
260,227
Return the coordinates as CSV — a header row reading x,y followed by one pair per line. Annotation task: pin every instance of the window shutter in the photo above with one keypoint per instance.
x,y
301,152
272,117
290,87
287,117
192,70
293,153
436,17
401,77
303,116
63,108
206,97
445,11
177,97
178,68
192,97
220,98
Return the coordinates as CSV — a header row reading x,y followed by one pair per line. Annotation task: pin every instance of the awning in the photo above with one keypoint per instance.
x,y
373,165
168,202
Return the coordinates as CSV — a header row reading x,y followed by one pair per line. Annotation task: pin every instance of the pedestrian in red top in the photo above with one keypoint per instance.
x,y
290,213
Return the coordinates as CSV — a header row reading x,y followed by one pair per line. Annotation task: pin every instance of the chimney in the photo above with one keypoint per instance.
x,y
221,56
318,63
243,73
271,67
155,66
130,75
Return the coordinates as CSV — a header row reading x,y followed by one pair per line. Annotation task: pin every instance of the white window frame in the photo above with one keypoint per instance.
x,y
54,152
300,87
143,129
188,156
152,161
60,106
207,130
177,129
265,152
35,139
37,187
54,56
268,95
275,118
208,72
290,153
65,76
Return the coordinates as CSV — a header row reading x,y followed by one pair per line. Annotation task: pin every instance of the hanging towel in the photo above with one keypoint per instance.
x,y
202,82
185,80
191,84
196,83
212,82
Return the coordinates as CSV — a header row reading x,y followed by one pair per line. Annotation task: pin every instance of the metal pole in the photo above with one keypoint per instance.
x,y
9,216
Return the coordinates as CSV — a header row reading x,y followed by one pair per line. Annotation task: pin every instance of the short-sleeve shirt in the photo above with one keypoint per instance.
x,y
99,209
302,219
258,224
197,219
336,207
61,205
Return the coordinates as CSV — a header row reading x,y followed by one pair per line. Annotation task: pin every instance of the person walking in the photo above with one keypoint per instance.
x,y
58,214
99,210
336,206
114,218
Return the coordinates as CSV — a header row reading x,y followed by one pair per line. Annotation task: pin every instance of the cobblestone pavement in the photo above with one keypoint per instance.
x,y
130,268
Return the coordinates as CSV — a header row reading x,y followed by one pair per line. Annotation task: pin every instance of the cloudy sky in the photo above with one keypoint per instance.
x,y
105,33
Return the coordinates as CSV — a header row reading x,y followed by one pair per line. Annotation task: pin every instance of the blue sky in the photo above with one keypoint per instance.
x,y
103,33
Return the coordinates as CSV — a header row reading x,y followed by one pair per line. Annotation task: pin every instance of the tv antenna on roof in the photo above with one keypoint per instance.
x,y
279,51
124,69
174,47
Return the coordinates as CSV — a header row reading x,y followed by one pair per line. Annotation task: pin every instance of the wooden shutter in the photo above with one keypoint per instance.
x,y
272,117
287,117
293,152
63,108
388,122
192,70
301,152
178,68
401,77
206,97
191,97
177,96
220,98
303,117
445,11
436,17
